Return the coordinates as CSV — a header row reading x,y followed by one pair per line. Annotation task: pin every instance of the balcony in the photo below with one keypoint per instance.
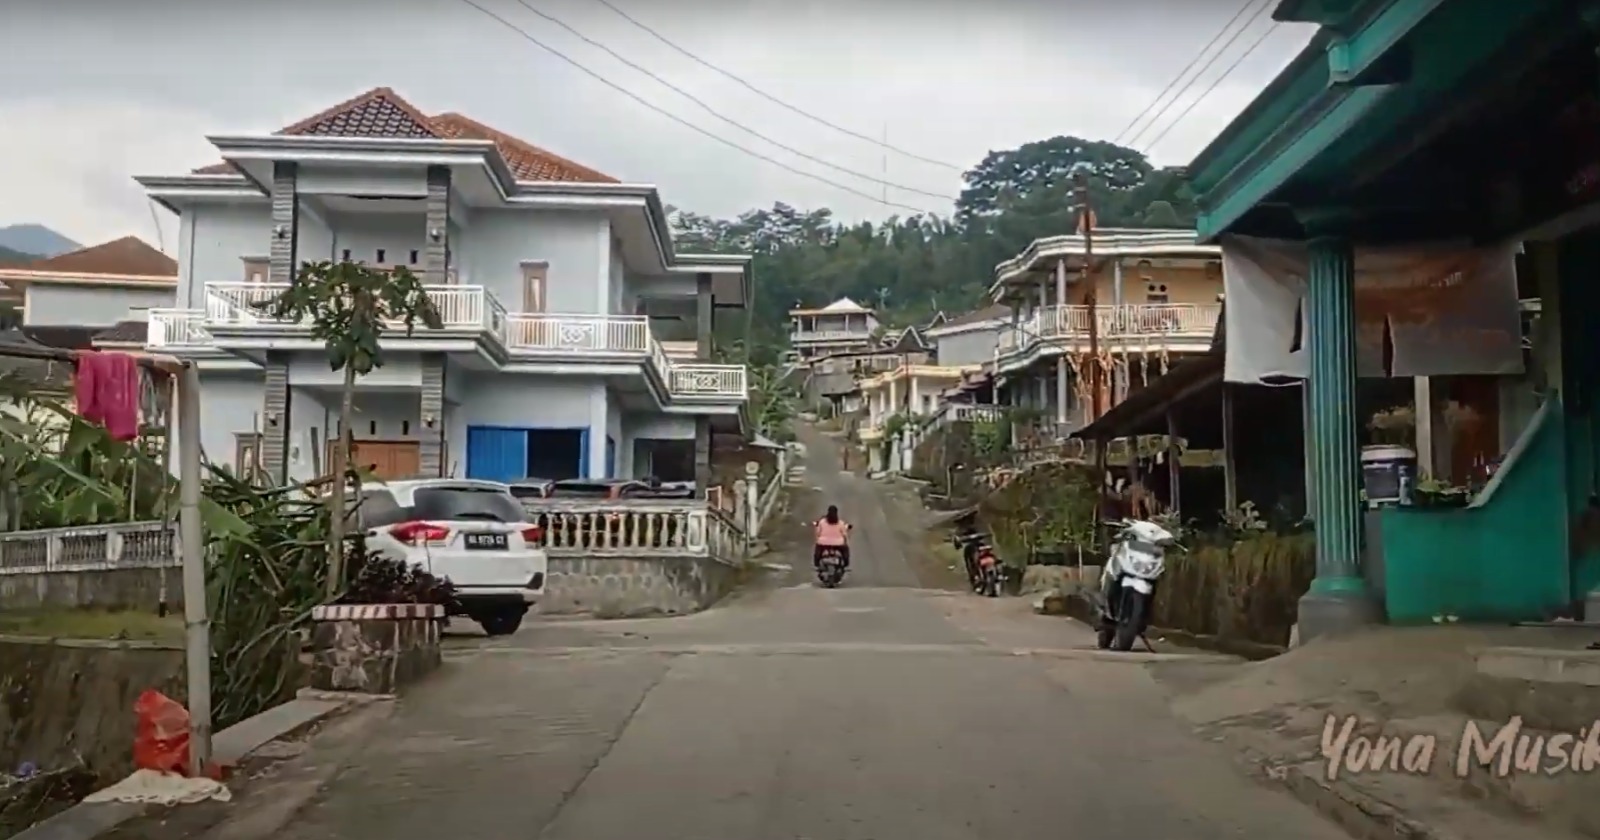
x,y
830,335
1154,326
520,336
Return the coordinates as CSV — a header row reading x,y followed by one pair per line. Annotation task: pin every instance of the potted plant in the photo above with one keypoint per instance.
x,y
1395,426
1433,493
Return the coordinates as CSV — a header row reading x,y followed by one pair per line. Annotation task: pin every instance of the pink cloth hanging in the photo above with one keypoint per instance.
x,y
107,392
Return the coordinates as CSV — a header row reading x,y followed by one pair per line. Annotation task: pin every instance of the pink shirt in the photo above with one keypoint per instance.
x,y
832,533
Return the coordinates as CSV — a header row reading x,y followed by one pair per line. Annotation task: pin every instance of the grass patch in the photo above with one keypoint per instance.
x,y
136,625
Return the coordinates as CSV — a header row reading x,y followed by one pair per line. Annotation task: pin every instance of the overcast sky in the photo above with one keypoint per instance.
x,y
100,91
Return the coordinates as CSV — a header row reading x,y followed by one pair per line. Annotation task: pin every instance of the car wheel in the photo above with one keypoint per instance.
x,y
501,624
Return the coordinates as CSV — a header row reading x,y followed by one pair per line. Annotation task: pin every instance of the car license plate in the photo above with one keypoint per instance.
x,y
486,542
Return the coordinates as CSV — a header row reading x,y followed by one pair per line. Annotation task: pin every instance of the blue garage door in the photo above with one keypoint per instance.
x,y
497,454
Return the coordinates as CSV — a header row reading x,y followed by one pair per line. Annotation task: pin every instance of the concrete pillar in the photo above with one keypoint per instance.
x,y
1337,599
704,318
1230,469
702,452
1422,401
283,262
430,457
436,252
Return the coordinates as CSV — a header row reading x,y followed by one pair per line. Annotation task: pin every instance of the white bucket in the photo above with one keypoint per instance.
x,y
1387,473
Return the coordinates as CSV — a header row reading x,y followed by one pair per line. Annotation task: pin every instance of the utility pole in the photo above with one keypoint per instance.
x,y
1091,298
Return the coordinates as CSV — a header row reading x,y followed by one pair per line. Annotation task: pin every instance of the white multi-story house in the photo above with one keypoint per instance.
x,y
843,326
558,286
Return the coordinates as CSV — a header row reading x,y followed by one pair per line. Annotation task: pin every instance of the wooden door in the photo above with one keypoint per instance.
x,y
388,459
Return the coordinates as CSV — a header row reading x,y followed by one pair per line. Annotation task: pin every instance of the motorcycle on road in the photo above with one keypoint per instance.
x,y
830,568
1128,581
983,568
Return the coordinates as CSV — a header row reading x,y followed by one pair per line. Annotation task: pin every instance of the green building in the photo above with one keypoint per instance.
x,y
1414,121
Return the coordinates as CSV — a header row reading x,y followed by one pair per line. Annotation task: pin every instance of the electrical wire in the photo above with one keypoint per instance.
x,y
1266,11
1219,80
685,52
1181,73
713,112
680,120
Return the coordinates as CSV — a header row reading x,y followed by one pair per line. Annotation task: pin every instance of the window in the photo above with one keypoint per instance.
x,y
345,255
413,258
457,503
256,269
535,276
378,508
381,255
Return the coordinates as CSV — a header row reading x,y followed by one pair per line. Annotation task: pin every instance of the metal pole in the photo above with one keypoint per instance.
x,y
196,619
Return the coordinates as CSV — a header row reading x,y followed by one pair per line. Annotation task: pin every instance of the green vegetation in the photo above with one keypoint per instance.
x,y
911,267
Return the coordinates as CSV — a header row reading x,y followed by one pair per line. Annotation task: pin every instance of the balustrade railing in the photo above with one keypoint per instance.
x,y
582,333
246,304
642,528
90,548
707,380
1114,322
177,328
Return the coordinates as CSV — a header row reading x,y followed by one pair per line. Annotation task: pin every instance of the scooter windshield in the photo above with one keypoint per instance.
x,y
1150,548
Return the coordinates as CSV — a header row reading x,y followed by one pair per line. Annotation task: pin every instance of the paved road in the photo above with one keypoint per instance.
x,y
872,712
877,546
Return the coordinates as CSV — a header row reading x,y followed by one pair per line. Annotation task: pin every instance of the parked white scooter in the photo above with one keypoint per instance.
x,y
1128,581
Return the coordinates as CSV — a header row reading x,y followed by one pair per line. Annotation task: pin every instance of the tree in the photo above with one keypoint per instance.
x,y
1161,215
349,306
914,266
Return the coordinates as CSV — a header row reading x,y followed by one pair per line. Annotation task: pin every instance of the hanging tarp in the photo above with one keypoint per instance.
x,y
1440,310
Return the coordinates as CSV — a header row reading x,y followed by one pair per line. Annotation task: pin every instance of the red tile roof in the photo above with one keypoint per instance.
x,y
381,113
128,256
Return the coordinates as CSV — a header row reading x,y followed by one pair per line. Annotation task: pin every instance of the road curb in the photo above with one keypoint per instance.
x,y
1365,817
89,820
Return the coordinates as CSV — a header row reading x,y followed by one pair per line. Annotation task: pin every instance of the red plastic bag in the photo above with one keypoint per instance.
x,y
161,737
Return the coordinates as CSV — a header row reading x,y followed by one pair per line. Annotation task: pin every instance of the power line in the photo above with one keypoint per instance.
x,y
713,112
680,120
1184,72
769,97
1225,74
1133,140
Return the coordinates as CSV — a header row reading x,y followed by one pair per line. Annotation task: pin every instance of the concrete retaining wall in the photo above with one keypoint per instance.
x,y
631,587
134,589
62,699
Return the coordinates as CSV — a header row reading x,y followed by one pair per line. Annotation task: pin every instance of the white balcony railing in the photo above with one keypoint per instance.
x,y
706,380
246,304
469,307
1115,323
177,328
578,333
831,335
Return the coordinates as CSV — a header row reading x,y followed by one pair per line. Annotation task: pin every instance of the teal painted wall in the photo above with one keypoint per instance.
x,y
1505,560
1579,316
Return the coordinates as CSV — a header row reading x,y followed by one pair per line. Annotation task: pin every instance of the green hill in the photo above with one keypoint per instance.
x,y
10,257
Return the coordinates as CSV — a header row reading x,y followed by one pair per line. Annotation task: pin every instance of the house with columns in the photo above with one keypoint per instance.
x,y
1156,296
576,340
1447,129
843,326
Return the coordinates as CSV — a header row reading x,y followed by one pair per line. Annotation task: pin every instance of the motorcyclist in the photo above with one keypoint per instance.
x,y
970,541
831,533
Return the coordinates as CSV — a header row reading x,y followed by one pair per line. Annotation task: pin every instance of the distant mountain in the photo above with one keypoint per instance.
x,y
35,239
10,257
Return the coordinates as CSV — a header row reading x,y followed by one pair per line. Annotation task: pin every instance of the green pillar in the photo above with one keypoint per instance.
x,y
1338,597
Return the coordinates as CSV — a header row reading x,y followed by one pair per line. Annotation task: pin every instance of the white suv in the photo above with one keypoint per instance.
x,y
472,532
